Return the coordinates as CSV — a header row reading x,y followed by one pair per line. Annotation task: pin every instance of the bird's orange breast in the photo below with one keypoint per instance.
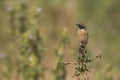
x,y
82,35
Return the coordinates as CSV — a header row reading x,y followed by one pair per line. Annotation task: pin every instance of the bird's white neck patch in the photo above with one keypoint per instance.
x,y
82,29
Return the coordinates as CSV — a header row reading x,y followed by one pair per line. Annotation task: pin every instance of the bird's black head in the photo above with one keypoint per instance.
x,y
81,26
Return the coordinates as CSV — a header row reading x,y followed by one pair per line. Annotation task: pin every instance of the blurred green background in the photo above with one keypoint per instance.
x,y
102,18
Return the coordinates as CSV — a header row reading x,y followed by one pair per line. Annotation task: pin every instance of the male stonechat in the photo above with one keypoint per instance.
x,y
82,35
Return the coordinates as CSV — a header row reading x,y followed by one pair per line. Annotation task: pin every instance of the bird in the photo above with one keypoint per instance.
x,y
82,36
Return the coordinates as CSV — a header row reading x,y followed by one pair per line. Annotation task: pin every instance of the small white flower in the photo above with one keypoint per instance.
x,y
39,9
9,8
3,55
30,37
30,58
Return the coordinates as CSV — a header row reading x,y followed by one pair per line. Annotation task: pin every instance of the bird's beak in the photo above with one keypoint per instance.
x,y
78,26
